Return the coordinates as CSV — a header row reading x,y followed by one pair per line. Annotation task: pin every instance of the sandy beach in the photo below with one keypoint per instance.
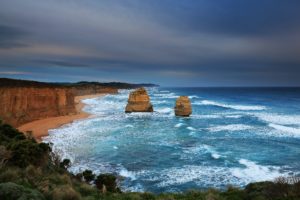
x,y
39,128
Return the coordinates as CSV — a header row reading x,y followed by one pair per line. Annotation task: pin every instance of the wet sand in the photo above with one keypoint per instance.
x,y
39,128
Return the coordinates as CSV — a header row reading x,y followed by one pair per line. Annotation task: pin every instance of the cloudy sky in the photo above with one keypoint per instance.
x,y
169,42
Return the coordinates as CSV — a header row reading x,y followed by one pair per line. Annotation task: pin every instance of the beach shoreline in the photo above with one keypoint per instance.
x,y
39,128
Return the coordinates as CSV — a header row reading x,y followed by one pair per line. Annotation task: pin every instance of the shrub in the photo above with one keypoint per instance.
x,y
107,180
65,193
26,152
5,155
88,176
8,133
65,164
10,175
9,191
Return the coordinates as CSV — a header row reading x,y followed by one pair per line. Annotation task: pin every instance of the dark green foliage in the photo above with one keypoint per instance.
x,y
109,180
26,152
12,191
65,164
9,134
88,176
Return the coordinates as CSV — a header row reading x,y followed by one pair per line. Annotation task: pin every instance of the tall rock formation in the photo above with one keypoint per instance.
x,y
139,101
19,105
183,107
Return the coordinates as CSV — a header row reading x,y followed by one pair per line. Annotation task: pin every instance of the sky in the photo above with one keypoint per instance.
x,y
168,42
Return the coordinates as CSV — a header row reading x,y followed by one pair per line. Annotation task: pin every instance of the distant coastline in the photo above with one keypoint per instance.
x,y
40,128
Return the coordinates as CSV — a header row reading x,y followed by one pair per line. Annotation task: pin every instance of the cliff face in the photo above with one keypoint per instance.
x,y
19,105
92,89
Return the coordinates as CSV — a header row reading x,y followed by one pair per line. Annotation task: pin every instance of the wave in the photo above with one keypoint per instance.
x,y
285,129
166,95
179,125
212,176
230,127
193,97
165,110
191,128
127,174
254,172
236,107
159,102
279,119
129,126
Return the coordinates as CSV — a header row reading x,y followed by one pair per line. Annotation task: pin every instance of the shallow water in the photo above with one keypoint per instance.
x,y
234,136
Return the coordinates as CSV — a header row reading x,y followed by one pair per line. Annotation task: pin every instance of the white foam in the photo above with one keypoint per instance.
x,y
230,127
190,128
128,174
254,172
159,101
129,126
215,155
166,95
165,110
193,97
286,129
279,119
234,116
115,147
179,125
236,107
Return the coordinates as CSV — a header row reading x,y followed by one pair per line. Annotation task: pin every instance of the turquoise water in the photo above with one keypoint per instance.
x,y
234,136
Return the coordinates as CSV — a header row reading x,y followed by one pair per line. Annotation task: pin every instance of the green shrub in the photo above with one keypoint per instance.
x,y
26,152
88,176
10,175
107,180
12,191
65,164
65,192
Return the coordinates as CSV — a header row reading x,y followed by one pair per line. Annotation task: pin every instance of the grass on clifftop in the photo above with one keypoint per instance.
x,y
30,170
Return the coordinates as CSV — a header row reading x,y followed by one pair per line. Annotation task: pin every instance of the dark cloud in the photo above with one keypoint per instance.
x,y
175,42
10,37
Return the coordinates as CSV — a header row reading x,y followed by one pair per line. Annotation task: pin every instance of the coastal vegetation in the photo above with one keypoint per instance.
x,y
30,170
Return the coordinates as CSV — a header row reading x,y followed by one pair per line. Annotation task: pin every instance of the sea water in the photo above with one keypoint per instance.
x,y
234,136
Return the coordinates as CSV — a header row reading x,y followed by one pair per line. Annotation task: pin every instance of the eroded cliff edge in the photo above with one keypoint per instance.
x,y
25,101
19,105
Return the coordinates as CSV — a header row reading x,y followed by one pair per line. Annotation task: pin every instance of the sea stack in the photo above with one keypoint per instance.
x,y
139,101
183,106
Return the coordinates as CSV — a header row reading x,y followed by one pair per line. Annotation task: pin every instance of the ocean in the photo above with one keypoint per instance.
x,y
234,136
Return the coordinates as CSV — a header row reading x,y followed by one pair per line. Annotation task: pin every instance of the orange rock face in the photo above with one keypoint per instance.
x,y
139,101
183,107
19,105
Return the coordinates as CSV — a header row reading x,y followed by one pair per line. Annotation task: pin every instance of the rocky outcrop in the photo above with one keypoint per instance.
x,y
19,105
183,107
139,101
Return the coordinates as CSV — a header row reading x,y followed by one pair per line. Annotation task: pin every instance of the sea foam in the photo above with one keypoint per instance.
x,y
230,127
236,107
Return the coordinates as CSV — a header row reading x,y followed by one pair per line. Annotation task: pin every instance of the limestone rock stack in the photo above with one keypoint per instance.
x,y
139,101
183,107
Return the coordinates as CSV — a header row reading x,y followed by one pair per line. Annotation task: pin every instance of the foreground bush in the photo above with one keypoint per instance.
x,y
12,191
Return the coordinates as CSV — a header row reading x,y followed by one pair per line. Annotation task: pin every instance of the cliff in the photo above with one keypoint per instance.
x,y
19,105
23,101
